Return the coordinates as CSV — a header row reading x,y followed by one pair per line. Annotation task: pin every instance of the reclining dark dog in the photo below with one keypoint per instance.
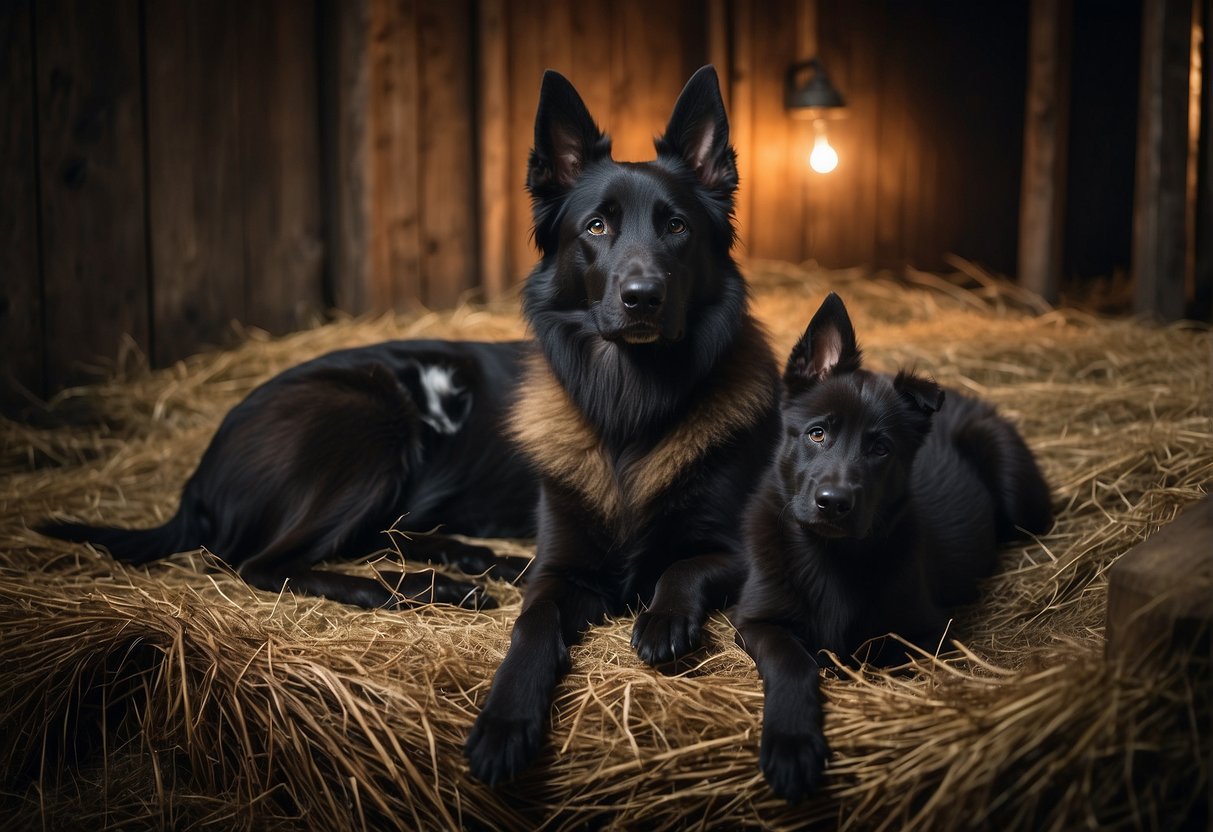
x,y
649,412
884,506
317,462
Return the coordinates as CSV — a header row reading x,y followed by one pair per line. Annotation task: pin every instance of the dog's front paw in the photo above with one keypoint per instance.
x,y
499,748
663,637
793,762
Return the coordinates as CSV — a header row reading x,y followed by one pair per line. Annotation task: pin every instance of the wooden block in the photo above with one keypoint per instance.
x,y
1160,592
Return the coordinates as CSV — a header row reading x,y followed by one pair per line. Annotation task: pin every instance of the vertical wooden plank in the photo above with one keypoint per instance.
x,y
1160,196
195,179
90,135
395,156
346,122
1042,200
777,182
741,120
447,150
280,160
20,291
892,143
539,39
720,51
493,145
1203,290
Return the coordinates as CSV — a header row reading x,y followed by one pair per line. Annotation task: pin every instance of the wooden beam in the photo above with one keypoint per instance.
x,y
1046,133
1160,592
20,290
1203,289
1160,196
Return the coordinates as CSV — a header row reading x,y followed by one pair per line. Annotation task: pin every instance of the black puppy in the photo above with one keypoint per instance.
x,y
882,508
650,410
318,461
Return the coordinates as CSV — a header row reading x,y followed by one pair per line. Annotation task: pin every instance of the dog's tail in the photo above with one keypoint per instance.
x,y
129,545
1006,465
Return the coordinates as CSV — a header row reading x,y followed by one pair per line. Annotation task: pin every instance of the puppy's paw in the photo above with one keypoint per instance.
x,y
498,748
793,762
663,637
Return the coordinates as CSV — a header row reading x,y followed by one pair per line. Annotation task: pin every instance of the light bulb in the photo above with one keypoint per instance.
x,y
824,158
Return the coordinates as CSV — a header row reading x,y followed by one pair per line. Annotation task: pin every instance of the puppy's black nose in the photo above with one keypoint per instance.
x,y
642,295
835,501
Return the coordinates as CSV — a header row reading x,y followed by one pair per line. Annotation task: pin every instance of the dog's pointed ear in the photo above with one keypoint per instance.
x,y
923,394
827,347
698,133
566,138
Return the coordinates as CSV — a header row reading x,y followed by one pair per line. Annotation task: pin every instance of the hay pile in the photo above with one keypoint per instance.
x,y
175,696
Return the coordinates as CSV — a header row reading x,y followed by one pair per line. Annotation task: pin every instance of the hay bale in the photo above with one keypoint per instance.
x,y
176,696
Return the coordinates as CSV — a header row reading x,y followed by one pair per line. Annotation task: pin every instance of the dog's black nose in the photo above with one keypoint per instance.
x,y
835,501
642,295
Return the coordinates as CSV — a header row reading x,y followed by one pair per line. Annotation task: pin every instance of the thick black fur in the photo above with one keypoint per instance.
x,y
636,305
317,462
884,506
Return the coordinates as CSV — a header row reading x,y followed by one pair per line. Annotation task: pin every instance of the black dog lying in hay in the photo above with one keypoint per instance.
x,y
318,461
883,507
651,412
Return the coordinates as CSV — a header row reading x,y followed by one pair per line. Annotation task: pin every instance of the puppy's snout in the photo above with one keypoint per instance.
x,y
835,501
642,296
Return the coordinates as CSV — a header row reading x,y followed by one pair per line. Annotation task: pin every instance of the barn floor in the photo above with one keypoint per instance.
x,y
175,696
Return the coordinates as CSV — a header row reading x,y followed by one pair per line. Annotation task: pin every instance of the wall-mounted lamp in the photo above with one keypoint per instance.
x,y
815,99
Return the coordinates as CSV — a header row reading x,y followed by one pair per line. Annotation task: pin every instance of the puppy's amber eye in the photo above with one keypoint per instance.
x,y
596,227
817,433
676,225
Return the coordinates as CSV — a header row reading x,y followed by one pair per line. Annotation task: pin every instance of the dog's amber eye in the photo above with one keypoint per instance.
x,y
596,227
676,225
817,433
880,448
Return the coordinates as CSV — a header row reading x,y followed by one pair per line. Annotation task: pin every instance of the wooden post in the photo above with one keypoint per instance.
x,y
1046,133
1160,592
1160,197
1203,278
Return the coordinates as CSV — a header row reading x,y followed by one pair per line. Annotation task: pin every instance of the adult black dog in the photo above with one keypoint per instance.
x,y
318,461
882,508
650,412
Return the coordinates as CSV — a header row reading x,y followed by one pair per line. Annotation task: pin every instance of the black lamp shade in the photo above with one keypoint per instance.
x,y
816,97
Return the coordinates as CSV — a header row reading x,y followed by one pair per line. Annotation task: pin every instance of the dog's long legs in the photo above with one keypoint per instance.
x,y
510,728
794,751
686,592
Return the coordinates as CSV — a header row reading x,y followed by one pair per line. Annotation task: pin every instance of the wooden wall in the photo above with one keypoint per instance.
x,y
159,163
170,167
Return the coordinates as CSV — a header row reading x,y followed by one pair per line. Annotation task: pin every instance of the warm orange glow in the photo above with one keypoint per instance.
x,y
823,158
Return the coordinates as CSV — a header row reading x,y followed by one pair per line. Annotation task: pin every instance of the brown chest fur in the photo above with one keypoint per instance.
x,y
552,431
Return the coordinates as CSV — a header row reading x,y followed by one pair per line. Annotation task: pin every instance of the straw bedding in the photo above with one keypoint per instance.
x,y
175,696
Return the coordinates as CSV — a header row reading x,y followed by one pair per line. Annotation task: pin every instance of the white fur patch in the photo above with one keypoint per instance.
x,y
439,385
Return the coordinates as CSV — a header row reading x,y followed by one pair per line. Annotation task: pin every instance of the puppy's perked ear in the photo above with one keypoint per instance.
x,y
566,138
827,347
698,133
